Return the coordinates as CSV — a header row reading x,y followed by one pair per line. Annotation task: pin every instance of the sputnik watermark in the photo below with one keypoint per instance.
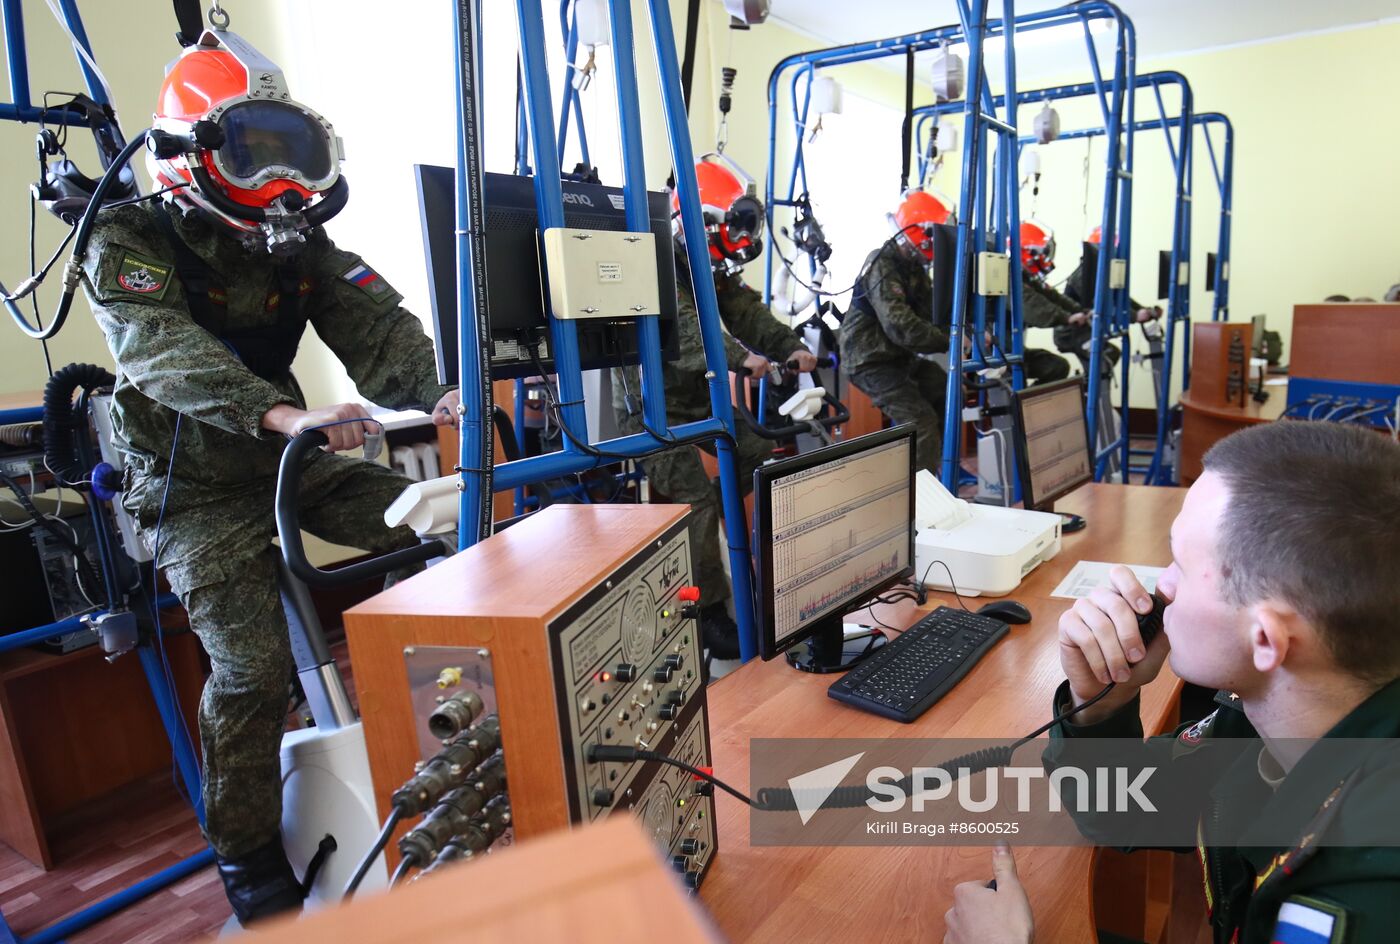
x,y
1103,790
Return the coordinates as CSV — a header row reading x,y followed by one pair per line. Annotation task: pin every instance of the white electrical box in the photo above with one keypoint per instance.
x,y
1225,272
1117,273
1183,273
601,273
993,273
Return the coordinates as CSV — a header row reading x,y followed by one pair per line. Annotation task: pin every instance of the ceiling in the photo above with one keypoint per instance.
x,y
1164,27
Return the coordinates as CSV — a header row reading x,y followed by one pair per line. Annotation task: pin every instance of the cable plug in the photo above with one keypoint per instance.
x,y
633,404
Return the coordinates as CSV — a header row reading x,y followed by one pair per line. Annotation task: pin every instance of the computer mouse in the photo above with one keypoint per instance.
x,y
1008,611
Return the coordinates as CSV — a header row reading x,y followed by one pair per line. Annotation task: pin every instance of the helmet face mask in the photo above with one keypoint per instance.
x,y
1037,248
732,212
276,170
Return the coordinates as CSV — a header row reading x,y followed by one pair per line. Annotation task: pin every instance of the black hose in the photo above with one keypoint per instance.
x,y
379,843
84,229
60,423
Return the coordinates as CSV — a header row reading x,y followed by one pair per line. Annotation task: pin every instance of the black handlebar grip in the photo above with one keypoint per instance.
x,y
287,508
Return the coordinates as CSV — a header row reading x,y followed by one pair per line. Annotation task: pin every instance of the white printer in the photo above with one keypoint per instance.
x,y
987,549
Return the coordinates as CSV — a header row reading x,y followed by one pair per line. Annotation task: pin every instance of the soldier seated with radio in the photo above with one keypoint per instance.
x,y
1282,594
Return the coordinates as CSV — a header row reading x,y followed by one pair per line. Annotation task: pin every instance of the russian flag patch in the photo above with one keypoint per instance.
x,y
1306,921
363,277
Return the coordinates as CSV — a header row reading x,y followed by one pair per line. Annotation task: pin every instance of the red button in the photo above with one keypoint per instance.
x,y
688,594
709,770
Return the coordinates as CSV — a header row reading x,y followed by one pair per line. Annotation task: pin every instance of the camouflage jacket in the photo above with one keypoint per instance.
x,y
891,316
744,316
1079,289
1042,306
169,366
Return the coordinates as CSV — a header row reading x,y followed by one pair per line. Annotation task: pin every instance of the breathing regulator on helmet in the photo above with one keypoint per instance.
x,y
731,209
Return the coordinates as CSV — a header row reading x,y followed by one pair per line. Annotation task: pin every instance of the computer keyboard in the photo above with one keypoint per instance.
x,y
914,670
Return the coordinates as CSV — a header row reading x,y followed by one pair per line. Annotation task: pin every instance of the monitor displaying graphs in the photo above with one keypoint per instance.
x,y
838,529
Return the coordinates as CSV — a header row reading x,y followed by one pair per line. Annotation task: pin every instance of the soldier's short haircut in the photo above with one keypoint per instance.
x,y
1313,519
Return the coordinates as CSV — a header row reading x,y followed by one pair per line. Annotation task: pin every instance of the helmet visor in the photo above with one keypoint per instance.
x,y
744,219
273,136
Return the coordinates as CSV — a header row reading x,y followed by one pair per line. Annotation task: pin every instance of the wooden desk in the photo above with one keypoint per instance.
x,y
595,885
901,894
1204,424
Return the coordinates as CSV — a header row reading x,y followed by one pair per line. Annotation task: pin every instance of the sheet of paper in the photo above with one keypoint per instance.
x,y
1087,575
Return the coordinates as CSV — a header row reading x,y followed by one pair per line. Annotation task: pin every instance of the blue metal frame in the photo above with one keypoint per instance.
x,y
1117,320
1225,184
568,27
575,456
976,208
22,109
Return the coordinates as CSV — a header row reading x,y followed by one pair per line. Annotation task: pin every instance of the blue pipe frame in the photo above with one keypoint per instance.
x,y
1119,319
22,109
979,110
577,455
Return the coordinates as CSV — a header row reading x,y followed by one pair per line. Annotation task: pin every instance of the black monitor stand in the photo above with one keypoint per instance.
x,y
1070,522
829,651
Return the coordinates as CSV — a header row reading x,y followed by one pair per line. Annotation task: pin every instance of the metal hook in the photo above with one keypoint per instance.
x,y
218,17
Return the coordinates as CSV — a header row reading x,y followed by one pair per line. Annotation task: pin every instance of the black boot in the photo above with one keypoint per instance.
x,y
260,884
719,632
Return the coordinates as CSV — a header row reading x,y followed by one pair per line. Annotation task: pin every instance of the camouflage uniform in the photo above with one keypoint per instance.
x,y
678,474
1043,307
1074,339
216,531
890,321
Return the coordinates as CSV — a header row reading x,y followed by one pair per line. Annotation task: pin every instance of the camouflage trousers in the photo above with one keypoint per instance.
x,y
914,394
216,551
677,475
1044,366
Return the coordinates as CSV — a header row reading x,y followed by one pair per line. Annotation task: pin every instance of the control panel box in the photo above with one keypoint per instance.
x,y
594,273
576,627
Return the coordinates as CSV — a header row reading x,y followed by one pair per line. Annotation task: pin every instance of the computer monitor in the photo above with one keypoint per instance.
x,y
945,260
1051,441
1088,275
514,290
832,529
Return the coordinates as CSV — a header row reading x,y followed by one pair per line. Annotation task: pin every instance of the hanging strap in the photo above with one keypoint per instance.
x,y
692,27
905,135
191,22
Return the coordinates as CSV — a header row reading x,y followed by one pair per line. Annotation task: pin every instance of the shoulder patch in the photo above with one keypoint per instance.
x,y
137,275
1303,920
366,280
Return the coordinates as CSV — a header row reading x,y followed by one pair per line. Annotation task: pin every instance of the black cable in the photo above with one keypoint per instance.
x,y
401,871
26,503
923,581
33,297
821,292
669,441
379,843
772,799
155,588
